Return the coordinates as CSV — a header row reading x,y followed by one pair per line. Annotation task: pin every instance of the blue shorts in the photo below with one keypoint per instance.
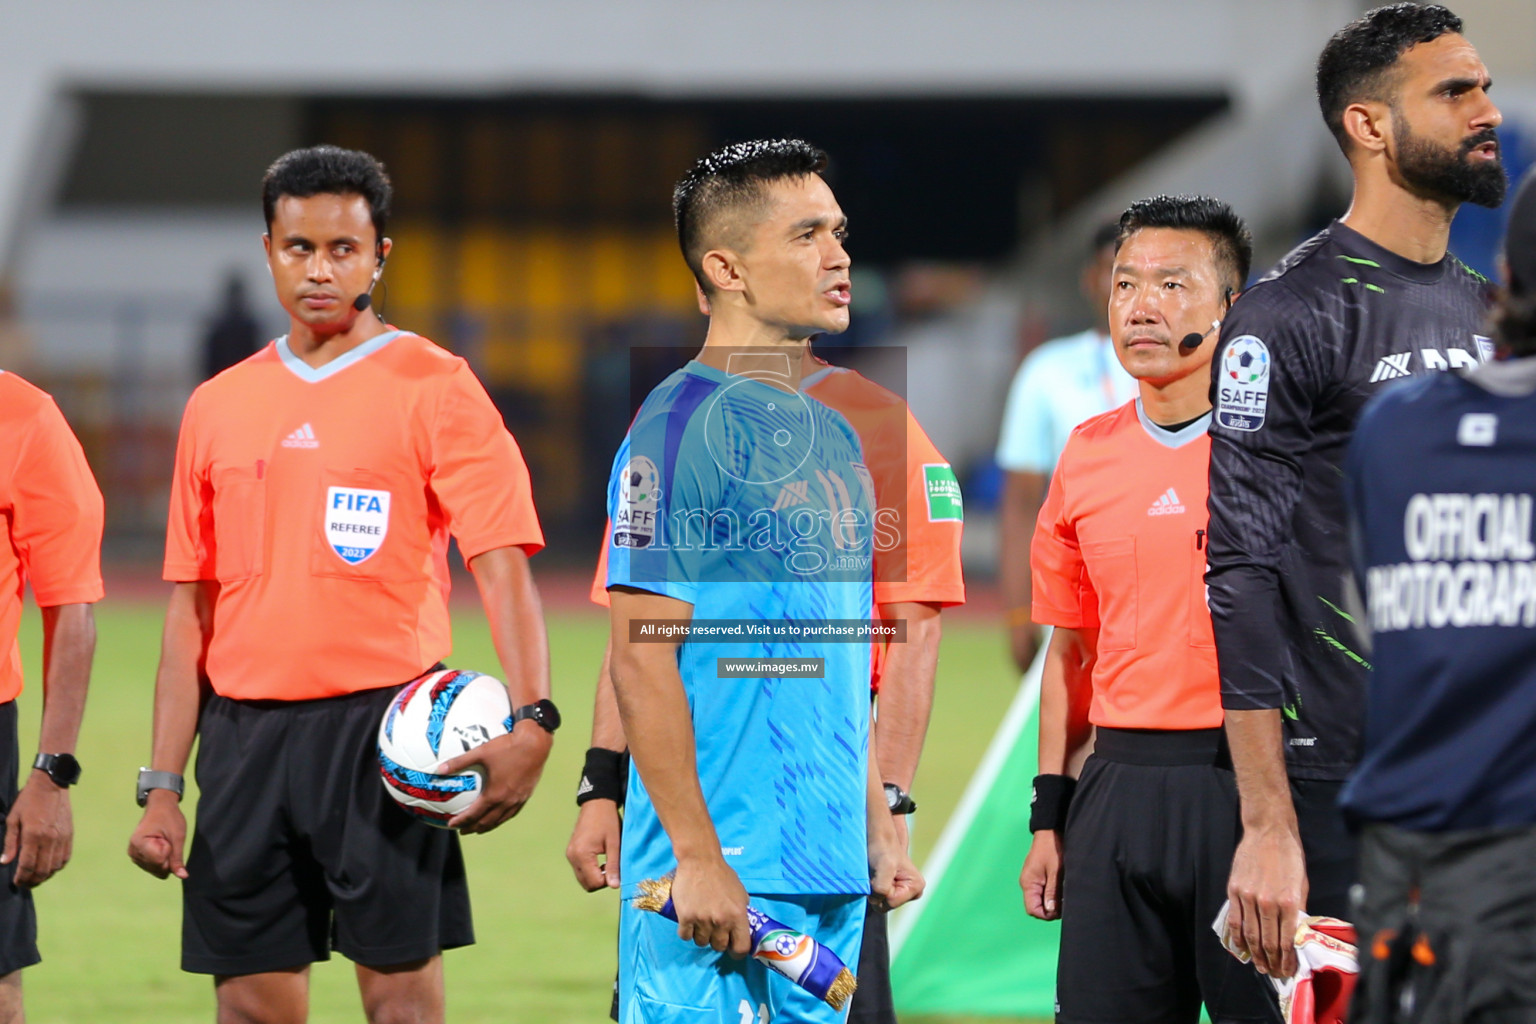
x,y
666,980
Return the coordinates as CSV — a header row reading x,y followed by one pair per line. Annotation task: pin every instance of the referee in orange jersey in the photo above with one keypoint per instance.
x,y
1133,855
317,485
50,538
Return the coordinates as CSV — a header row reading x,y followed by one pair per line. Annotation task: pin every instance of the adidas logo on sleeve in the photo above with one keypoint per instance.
x,y
1167,504
304,437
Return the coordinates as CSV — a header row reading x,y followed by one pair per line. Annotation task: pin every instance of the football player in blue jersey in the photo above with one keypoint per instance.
x,y
739,503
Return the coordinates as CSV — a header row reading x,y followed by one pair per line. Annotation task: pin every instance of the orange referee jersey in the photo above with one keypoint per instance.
x,y
919,515
322,500
52,512
1120,547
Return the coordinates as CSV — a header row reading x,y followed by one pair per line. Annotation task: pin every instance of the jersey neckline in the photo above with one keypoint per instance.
x,y
826,370
1172,438
1347,238
719,376
313,375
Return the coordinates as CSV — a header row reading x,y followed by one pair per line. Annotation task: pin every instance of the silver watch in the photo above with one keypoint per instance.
x,y
149,780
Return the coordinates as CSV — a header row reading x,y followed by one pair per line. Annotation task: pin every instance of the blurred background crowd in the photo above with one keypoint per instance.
x,y
976,145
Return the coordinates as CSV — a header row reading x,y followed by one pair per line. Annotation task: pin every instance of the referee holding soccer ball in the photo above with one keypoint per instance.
x,y
316,487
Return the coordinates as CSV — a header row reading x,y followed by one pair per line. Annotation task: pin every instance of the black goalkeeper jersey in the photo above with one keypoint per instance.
x,y
1338,319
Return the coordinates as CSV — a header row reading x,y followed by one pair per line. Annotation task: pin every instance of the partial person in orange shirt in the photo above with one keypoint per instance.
x,y
917,573
317,484
52,512
1135,860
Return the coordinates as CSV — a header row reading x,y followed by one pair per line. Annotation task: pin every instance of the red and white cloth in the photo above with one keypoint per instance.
x,y
1326,969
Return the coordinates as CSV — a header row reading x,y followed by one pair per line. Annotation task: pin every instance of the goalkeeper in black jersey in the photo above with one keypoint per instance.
x,y
1375,297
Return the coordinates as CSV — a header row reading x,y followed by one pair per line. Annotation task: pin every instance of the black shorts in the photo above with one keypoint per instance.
x,y
1447,925
18,918
1146,855
1328,845
298,850
872,1003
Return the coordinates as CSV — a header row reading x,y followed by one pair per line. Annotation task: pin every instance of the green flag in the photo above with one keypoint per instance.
x,y
967,947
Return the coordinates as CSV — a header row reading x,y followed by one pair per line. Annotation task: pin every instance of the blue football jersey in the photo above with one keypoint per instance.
x,y
753,505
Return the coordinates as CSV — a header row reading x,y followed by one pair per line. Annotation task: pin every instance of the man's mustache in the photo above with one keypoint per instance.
x,y
1471,142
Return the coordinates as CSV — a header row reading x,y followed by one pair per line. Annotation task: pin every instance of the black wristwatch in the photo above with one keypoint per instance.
x,y
543,712
899,800
63,769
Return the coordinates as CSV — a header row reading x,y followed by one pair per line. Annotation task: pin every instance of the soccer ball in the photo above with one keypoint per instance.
x,y
433,718
1247,361
642,482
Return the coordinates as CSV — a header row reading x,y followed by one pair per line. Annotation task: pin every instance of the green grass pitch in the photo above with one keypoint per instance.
x,y
110,934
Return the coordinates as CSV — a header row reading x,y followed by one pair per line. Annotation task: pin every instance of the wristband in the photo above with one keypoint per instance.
x,y
602,777
1051,796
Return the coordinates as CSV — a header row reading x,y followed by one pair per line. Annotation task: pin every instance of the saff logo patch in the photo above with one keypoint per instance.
x,y
1242,391
356,522
634,521
1246,361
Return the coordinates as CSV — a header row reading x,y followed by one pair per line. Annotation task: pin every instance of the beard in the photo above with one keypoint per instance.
x,y
1447,172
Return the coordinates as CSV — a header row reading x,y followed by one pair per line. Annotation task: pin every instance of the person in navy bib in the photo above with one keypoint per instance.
x,y
1441,484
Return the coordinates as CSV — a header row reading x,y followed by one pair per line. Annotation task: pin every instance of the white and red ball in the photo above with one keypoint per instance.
x,y
432,719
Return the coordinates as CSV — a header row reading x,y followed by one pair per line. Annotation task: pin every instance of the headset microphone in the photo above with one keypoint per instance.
x,y
1192,340
365,300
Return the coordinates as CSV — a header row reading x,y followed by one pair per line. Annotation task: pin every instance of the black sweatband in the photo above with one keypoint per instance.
x,y
1051,796
603,776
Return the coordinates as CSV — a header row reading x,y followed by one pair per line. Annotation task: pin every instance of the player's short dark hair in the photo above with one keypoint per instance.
x,y
1230,241
328,170
731,178
1358,61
